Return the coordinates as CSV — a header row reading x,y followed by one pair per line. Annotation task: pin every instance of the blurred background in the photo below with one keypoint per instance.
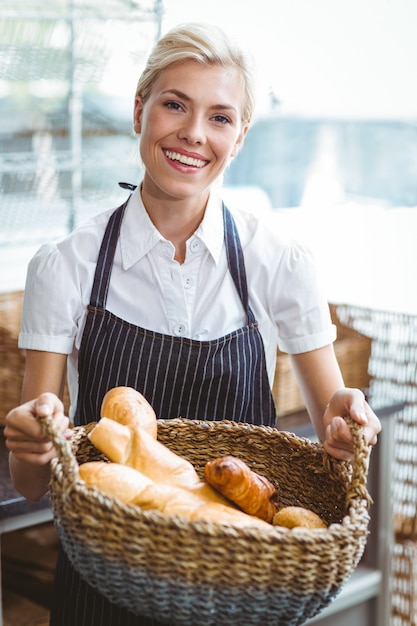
x,y
332,154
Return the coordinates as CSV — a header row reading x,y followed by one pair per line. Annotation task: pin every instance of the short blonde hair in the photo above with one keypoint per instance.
x,y
201,43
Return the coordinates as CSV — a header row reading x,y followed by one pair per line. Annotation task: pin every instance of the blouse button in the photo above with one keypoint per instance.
x,y
188,282
195,245
180,330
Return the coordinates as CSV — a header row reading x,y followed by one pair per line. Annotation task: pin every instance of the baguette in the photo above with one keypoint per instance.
x,y
114,479
194,506
135,447
129,407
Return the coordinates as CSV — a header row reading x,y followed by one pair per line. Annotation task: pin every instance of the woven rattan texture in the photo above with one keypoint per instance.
x,y
12,360
205,573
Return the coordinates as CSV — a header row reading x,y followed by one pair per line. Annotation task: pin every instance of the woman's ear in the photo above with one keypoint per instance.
x,y
137,115
239,140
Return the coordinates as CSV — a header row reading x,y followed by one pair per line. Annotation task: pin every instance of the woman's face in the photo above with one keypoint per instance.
x,y
190,126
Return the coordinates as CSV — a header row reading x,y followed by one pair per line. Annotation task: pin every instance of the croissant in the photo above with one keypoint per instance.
x,y
253,493
129,407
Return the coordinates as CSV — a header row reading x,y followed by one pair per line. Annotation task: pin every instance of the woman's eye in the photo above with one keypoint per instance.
x,y
175,106
223,119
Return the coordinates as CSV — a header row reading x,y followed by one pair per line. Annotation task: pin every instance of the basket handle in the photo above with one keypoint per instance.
x,y
360,464
63,448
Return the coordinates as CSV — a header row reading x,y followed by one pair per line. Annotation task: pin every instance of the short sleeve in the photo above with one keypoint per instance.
x,y
302,313
52,305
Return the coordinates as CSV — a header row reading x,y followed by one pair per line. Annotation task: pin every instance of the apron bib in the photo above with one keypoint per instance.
x,y
225,378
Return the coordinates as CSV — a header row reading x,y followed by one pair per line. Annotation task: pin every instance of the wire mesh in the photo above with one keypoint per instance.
x,y
68,72
393,370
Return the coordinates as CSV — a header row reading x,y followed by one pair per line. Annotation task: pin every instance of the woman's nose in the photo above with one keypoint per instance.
x,y
193,130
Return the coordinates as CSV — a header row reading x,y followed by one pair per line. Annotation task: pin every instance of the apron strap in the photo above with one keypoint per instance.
x,y
236,261
105,259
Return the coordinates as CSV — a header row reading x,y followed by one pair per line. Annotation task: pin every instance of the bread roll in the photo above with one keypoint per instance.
x,y
134,447
129,407
253,493
292,516
114,479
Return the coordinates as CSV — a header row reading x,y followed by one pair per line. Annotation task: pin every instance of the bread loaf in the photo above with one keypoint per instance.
x,y
253,493
129,407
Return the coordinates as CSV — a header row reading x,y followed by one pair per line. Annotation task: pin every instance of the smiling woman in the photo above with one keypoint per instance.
x,y
174,295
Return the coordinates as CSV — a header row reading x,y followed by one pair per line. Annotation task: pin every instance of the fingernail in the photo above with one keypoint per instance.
x,y
43,409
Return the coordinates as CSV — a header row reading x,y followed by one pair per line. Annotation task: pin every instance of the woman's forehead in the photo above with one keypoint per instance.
x,y
196,79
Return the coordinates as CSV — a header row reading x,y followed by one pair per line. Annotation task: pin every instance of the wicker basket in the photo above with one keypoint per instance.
x,y
11,303
202,573
12,360
12,364
353,351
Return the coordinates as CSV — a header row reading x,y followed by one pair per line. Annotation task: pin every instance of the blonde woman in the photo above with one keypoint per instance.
x,y
174,295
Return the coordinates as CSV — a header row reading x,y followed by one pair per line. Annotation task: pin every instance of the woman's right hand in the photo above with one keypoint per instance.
x,y
23,432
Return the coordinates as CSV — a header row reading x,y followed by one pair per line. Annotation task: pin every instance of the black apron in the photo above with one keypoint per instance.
x,y
225,378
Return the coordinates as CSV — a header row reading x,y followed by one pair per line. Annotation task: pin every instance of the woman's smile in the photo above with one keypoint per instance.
x,y
185,161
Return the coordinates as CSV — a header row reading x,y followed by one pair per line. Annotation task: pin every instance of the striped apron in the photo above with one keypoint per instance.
x,y
225,378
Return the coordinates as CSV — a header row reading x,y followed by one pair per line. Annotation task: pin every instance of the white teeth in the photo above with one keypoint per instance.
x,y
175,156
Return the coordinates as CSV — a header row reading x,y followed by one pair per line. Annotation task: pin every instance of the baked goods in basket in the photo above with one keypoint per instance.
x,y
253,493
129,407
145,472
298,516
165,481
114,479
133,446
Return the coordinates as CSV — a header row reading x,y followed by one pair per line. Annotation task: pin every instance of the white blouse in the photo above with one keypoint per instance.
x,y
196,299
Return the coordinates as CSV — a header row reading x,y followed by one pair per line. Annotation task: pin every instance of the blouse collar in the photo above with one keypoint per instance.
x,y
136,220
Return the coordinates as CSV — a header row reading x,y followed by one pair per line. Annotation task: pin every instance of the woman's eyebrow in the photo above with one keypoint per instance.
x,y
176,92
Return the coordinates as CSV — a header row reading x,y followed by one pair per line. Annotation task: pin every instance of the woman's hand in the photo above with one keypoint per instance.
x,y
338,439
23,432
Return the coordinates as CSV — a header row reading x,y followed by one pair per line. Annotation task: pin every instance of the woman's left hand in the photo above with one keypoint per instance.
x,y
338,439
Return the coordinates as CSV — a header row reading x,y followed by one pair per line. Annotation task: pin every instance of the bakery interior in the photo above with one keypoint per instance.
x,y
346,163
